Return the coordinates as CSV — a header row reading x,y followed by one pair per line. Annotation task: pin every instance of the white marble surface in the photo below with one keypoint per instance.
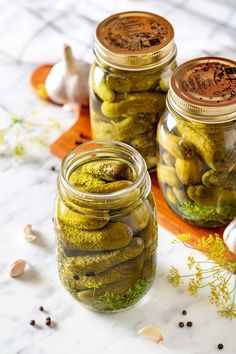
x,y
32,32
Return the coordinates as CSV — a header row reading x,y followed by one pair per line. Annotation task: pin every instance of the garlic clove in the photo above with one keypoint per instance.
x,y
153,333
27,232
229,236
17,268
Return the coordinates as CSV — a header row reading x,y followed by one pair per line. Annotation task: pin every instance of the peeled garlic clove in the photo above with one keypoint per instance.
x,y
17,268
152,333
229,236
27,232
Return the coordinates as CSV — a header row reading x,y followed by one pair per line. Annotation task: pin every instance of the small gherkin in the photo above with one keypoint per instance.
x,y
112,236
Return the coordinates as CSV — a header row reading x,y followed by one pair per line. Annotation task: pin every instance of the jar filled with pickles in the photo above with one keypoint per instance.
x,y
197,142
134,59
106,226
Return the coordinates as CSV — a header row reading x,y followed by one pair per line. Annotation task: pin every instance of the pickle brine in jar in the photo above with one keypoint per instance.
x,y
134,58
106,226
197,142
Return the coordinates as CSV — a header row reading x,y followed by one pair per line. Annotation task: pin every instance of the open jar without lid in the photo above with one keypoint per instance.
x,y
197,142
106,226
134,59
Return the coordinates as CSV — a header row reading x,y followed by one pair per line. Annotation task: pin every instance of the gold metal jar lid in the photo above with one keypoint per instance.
x,y
135,41
204,89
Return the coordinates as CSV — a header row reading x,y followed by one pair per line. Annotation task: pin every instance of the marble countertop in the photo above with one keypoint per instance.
x,y
33,32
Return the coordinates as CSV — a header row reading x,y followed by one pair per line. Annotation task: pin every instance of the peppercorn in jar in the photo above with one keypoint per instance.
x,y
197,142
134,58
106,226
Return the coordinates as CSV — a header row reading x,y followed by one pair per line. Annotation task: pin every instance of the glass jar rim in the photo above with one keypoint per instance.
x,y
82,152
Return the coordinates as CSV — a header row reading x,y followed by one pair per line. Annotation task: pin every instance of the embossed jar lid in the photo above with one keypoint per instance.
x,y
135,40
204,89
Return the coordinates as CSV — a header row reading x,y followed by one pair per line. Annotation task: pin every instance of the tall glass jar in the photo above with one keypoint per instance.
x,y
197,142
134,59
106,226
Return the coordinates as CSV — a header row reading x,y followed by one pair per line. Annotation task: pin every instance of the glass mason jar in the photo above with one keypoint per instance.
x,y
106,226
134,59
197,142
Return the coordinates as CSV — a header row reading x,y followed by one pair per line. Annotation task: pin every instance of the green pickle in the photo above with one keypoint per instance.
x,y
106,260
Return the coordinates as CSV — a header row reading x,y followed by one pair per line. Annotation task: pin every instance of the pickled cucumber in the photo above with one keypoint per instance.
x,y
211,151
175,145
80,220
167,174
210,196
90,297
110,171
188,171
106,188
100,87
145,102
134,83
79,179
213,179
138,218
129,269
122,130
97,263
112,236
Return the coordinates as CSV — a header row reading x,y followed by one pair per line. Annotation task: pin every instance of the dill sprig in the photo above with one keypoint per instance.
x,y
219,278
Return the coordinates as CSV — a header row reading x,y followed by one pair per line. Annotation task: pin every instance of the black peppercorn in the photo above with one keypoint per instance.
x,y
53,168
76,277
32,322
184,312
220,346
189,324
181,324
90,274
41,308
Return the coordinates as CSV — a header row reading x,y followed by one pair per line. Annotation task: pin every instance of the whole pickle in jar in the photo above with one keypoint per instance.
x,y
221,179
99,86
128,269
107,188
78,179
175,145
109,171
212,152
137,218
80,219
188,171
145,102
92,297
97,263
122,130
167,175
132,83
211,196
112,236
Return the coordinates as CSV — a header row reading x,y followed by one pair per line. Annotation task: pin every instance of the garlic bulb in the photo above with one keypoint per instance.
x,y
229,236
67,82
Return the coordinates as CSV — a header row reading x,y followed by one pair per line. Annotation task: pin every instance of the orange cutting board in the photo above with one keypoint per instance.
x,y
80,132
